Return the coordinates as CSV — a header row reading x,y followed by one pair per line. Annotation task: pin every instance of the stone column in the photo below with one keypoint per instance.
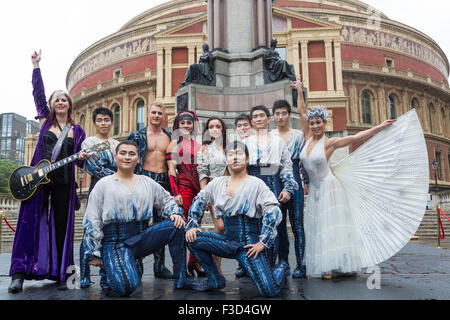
x,y
295,57
405,102
159,74
382,101
168,89
89,120
305,67
217,27
126,111
354,101
338,65
329,65
426,118
191,55
268,22
261,24
239,26
210,24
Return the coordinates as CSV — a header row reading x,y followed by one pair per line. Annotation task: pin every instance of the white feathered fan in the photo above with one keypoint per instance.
x,y
386,182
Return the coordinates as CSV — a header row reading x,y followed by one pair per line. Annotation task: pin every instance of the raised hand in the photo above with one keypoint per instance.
x,y
298,84
36,58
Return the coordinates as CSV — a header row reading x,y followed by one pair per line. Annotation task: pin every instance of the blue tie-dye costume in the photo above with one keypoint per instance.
x,y
116,223
140,138
294,206
273,165
250,216
98,166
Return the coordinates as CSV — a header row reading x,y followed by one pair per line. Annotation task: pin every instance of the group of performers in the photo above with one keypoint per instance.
x,y
152,190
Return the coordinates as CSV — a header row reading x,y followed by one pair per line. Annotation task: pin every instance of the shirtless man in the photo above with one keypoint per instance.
x,y
153,141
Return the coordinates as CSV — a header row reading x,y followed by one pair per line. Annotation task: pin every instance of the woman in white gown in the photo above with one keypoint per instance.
x,y
366,208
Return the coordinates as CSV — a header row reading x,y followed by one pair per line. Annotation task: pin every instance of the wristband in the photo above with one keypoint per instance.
x,y
173,186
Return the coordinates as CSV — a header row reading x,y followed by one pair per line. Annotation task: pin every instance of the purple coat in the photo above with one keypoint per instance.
x,y
34,251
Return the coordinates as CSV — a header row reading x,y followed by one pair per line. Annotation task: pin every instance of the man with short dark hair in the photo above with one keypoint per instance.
x,y
243,125
270,161
98,166
251,214
152,142
294,140
116,220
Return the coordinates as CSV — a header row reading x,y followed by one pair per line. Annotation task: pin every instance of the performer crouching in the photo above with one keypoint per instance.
x,y
119,209
242,201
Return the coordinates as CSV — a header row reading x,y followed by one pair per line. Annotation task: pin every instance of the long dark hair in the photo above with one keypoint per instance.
x,y
207,139
176,125
52,115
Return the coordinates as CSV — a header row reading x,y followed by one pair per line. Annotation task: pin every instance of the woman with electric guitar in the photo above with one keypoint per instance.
x,y
43,244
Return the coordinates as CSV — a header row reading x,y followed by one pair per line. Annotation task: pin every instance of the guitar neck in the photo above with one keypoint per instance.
x,y
61,163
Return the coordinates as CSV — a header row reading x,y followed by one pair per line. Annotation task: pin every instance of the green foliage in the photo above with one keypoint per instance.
x,y
6,168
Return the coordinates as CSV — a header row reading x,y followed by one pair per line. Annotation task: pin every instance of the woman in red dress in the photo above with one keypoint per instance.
x,y
182,163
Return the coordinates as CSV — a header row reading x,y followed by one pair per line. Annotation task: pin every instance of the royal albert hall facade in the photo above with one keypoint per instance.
x,y
356,61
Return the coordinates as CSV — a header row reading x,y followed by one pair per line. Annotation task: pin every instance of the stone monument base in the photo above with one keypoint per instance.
x,y
228,102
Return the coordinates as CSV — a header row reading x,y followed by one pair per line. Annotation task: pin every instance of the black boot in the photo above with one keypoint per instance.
x,y
16,285
159,269
240,272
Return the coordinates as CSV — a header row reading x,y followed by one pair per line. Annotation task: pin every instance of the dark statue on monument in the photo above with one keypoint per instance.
x,y
202,72
278,69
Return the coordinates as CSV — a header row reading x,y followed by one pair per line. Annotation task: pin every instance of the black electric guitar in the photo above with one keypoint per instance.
x,y
24,181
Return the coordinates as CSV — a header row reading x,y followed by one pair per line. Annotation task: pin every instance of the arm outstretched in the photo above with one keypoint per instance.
x,y
301,106
336,143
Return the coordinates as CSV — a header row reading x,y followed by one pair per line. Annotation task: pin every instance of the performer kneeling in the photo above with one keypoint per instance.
x,y
119,209
243,202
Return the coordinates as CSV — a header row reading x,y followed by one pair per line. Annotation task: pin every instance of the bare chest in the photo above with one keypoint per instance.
x,y
157,142
232,187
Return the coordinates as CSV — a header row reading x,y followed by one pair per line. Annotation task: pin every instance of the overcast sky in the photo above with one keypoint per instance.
x,y
63,29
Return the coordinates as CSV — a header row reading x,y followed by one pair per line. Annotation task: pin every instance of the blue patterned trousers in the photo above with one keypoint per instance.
x,y
125,244
274,184
163,180
295,209
240,231
85,270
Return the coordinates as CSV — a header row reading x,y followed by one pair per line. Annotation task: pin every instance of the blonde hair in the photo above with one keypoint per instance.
x,y
158,104
55,95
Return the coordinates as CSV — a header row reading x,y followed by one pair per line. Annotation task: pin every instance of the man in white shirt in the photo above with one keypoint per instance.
x,y
116,219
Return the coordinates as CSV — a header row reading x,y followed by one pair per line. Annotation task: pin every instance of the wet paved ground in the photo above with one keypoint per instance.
x,y
417,272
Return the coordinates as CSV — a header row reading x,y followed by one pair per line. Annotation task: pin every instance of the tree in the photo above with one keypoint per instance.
x,y
6,168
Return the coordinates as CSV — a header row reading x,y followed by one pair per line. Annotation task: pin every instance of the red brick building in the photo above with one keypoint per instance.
x,y
356,61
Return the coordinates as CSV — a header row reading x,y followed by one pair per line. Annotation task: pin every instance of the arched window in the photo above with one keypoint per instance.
x,y
366,105
392,106
414,103
430,115
116,114
140,114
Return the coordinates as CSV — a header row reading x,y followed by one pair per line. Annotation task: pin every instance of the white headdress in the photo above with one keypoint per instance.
x,y
318,112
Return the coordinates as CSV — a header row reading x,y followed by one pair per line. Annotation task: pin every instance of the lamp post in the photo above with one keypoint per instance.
x,y
435,167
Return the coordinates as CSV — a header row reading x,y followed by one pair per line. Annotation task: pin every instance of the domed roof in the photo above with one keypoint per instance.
x,y
187,7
